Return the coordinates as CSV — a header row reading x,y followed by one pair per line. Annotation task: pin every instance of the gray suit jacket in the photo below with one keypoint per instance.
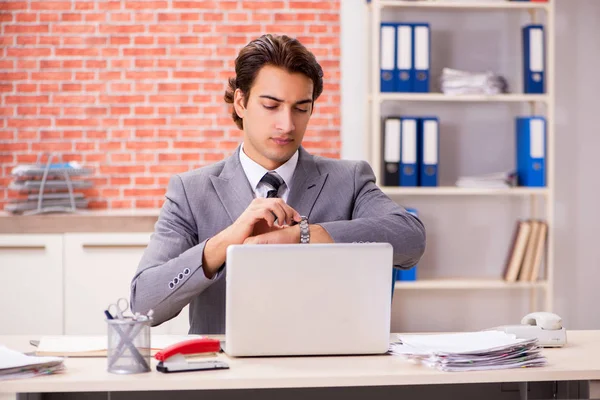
x,y
339,195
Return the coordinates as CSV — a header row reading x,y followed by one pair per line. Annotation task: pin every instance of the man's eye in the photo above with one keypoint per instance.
x,y
269,107
302,110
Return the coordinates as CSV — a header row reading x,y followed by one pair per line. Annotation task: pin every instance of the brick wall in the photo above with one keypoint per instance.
x,y
134,89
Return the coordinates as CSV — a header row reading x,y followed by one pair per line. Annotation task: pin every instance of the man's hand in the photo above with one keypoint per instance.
x,y
258,218
277,235
290,234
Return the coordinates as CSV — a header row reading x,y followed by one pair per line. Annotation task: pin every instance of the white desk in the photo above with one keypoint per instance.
x,y
579,360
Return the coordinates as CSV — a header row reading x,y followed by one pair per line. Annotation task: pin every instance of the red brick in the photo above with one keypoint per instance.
x,y
13,5
169,98
77,52
27,64
145,52
167,28
27,110
49,17
116,29
21,17
26,99
81,76
88,29
28,52
51,146
144,40
69,64
50,64
51,76
141,5
208,5
77,122
237,17
26,40
26,29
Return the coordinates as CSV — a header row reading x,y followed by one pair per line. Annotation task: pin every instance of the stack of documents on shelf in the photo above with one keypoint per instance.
x,y
470,351
14,364
53,183
498,180
456,82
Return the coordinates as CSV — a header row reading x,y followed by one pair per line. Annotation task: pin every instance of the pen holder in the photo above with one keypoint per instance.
x,y
128,345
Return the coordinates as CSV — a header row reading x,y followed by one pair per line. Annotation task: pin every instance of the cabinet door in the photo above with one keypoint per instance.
x,y
98,271
31,273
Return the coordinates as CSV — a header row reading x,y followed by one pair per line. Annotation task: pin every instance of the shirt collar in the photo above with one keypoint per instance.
x,y
255,172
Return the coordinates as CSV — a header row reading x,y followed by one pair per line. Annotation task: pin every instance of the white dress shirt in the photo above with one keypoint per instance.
x,y
254,172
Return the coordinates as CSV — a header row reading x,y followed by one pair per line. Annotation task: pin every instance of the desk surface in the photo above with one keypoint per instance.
x,y
579,360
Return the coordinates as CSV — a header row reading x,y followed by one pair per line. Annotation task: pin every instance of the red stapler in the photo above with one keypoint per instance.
x,y
173,358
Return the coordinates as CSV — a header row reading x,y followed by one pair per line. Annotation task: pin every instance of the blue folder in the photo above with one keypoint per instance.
x,y
404,74
429,150
408,274
409,171
387,57
534,70
531,151
421,57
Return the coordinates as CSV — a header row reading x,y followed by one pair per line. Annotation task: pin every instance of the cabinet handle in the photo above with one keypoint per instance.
x,y
114,245
22,247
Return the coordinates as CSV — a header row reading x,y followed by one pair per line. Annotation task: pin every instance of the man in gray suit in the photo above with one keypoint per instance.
x,y
269,191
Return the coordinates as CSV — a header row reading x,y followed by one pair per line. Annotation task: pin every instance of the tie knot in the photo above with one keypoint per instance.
x,y
273,180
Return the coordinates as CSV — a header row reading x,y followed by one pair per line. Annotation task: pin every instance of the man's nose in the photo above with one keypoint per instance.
x,y
285,122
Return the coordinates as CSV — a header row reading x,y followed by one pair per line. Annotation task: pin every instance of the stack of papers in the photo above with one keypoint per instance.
x,y
14,364
456,82
471,351
499,180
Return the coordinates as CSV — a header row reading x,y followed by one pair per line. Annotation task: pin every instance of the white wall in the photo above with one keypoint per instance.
x,y
470,236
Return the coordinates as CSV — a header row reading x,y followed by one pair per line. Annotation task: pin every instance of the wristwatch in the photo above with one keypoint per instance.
x,y
304,231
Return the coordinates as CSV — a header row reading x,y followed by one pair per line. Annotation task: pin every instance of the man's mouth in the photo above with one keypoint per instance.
x,y
282,140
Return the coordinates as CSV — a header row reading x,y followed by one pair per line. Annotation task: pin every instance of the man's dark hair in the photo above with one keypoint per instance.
x,y
279,51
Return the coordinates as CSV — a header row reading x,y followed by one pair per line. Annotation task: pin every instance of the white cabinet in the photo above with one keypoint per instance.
x,y
31,278
98,271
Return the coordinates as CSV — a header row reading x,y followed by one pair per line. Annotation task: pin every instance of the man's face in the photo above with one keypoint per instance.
x,y
276,115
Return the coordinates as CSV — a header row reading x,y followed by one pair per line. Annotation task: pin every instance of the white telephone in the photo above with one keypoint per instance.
x,y
545,326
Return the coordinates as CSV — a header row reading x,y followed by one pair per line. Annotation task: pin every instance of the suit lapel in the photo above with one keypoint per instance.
x,y
307,183
232,187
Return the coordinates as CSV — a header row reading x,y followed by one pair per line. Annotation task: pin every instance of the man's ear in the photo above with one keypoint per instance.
x,y
238,103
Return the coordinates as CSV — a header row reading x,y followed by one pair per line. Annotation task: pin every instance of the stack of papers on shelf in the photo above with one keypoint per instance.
x,y
51,183
456,82
499,180
14,365
471,351
96,346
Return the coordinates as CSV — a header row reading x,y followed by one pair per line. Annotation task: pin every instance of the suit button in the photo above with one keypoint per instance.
x,y
186,271
180,276
171,285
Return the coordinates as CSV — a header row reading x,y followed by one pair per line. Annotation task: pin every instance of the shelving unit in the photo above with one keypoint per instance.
x,y
450,284
375,99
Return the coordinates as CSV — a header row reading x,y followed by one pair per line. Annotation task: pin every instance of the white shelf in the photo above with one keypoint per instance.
x,y
467,284
456,191
473,5
441,97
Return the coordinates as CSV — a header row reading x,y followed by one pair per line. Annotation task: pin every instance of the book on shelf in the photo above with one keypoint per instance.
x,y
524,258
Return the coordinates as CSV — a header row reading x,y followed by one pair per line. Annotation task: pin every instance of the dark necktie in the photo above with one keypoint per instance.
x,y
274,181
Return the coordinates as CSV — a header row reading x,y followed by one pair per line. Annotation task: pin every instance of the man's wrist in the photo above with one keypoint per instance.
x,y
304,230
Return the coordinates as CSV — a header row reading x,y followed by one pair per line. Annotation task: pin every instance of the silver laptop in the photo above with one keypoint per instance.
x,y
317,299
